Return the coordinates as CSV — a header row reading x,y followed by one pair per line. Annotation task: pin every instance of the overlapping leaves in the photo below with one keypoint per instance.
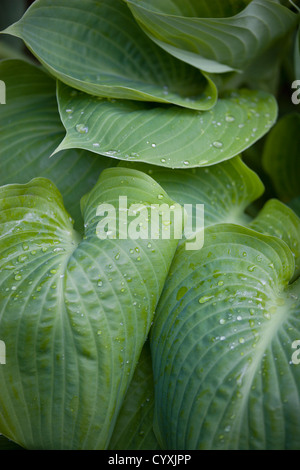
x,y
133,84
74,312
217,36
166,136
31,130
118,60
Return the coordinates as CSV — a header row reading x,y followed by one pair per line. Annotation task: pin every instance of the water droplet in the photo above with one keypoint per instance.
x,y
205,298
153,145
251,268
163,160
229,118
160,196
241,340
18,277
96,144
25,247
81,128
186,162
217,144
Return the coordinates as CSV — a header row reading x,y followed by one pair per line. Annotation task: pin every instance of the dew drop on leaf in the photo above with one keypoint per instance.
x,y
81,128
217,144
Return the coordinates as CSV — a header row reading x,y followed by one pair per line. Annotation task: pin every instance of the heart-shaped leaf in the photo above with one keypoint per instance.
x,y
223,345
74,312
165,135
101,50
31,130
217,36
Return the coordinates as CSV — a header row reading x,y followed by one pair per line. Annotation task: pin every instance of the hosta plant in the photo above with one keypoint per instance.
x,y
142,342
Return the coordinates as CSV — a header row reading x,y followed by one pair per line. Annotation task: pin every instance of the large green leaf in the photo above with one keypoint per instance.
x,y
165,135
74,313
31,130
217,36
281,156
223,344
97,46
282,222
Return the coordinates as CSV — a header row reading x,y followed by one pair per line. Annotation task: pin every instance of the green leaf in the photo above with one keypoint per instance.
x,y
31,130
278,220
217,37
97,47
222,345
134,426
74,312
226,189
165,135
281,156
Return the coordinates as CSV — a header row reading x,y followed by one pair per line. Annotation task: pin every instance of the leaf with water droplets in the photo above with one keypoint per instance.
x,y
31,130
97,47
223,334
166,136
74,311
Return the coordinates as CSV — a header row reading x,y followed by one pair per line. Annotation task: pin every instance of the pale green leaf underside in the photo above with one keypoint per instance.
x,y
97,46
74,313
31,129
222,345
167,136
281,156
196,33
